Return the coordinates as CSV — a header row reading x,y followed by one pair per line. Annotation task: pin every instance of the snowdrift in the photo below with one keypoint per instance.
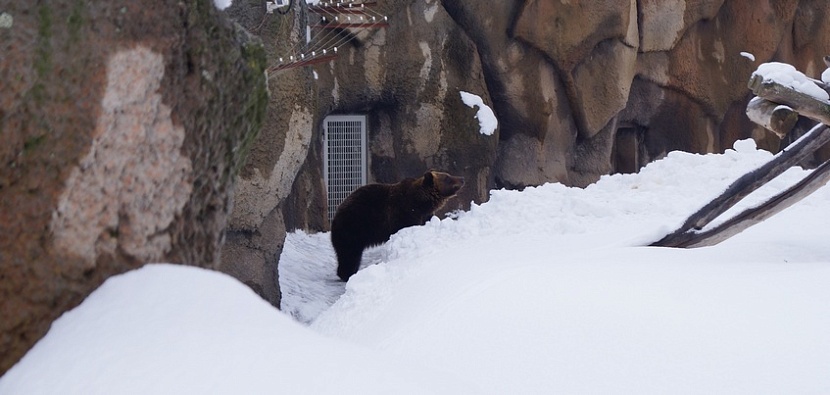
x,y
548,290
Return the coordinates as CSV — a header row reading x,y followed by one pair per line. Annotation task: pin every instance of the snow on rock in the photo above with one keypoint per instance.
x,y
787,75
486,118
825,76
222,4
748,56
172,329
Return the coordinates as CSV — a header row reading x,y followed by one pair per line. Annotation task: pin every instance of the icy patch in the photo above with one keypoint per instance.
x,y
308,279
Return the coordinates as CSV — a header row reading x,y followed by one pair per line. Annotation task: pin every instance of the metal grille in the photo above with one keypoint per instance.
x,y
345,160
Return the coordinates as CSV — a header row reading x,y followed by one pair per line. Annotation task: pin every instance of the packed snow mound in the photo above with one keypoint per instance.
x,y
553,290
172,329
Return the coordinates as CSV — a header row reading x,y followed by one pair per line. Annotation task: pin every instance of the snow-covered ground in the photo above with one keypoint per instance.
x,y
548,290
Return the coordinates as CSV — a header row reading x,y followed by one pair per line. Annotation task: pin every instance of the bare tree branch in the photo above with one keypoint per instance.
x,y
748,183
737,224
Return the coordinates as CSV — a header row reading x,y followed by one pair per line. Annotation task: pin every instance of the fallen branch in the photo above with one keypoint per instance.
x,y
806,105
792,155
777,118
737,224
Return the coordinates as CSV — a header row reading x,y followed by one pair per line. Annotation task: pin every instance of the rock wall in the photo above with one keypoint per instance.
x,y
257,227
124,124
634,79
407,79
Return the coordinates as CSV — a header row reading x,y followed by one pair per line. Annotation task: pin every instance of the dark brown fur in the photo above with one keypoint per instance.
x,y
374,212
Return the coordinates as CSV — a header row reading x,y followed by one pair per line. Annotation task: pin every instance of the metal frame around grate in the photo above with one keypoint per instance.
x,y
344,167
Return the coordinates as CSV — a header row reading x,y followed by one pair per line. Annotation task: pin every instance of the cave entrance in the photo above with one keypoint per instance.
x,y
344,161
629,153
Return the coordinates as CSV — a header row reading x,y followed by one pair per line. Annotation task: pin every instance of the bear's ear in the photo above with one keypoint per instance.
x,y
428,179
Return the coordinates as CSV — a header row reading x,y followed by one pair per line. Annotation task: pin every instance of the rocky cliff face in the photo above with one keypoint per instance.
x,y
123,125
407,79
633,79
257,226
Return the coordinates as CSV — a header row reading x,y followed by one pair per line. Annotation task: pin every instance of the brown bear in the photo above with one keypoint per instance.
x,y
374,212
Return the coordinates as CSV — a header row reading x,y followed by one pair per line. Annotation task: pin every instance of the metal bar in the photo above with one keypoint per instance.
x,y
351,25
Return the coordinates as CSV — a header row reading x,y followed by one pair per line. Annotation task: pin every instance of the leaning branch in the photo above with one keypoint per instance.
x,y
748,183
737,224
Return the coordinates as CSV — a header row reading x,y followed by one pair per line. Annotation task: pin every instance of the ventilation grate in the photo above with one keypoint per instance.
x,y
345,159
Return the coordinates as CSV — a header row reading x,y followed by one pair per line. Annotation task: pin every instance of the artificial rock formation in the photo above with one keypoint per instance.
x,y
124,125
633,80
408,79
257,226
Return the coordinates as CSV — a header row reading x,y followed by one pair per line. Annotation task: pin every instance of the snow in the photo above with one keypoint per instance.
x,y
787,75
825,76
172,329
547,290
748,56
222,4
486,118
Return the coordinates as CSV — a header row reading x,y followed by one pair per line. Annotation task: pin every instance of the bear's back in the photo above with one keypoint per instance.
x,y
364,215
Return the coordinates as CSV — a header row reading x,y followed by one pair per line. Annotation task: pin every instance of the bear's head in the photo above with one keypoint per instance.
x,y
443,184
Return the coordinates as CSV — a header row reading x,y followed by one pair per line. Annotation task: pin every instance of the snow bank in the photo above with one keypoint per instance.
x,y
550,290
171,329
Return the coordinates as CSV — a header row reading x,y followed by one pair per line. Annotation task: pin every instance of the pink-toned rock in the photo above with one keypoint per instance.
x,y
123,125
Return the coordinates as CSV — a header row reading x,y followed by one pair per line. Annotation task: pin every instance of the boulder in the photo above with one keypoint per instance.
x,y
569,31
124,126
594,47
664,22
536,126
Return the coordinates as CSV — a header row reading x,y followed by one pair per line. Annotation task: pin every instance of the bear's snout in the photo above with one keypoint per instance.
x,y
454,185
